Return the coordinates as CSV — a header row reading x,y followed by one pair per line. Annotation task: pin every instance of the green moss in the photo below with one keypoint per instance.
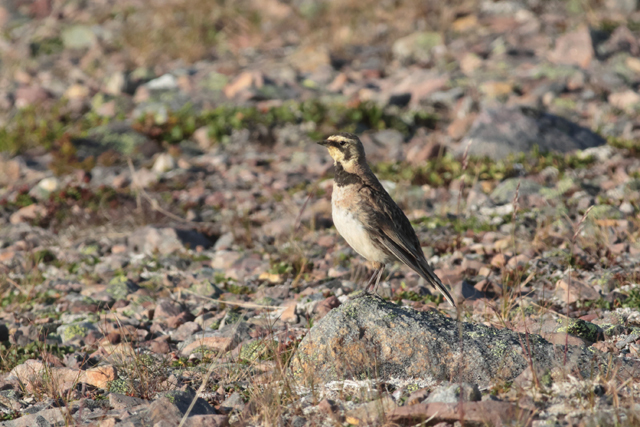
x,y
120,386
75,330
582,329
633,146
252,351
12,356
499,349
633,300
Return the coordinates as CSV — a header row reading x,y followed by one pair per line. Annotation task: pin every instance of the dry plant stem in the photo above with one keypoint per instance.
x,y
578,228
465,163
299,217
200,390
140,191
15,285
239,304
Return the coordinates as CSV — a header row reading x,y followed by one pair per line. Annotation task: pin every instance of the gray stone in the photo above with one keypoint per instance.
x,y
119,287
206,288
75,330
173,405
44,188
185,330
165,240
78,37
390,141
121,401
46,417
622,6
506,190
234,402
164,163
453,393
498,132
368,337
416,46
224,339
164,82
115,136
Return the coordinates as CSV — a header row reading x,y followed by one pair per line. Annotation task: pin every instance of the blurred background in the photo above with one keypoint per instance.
x,y
96,90
80,64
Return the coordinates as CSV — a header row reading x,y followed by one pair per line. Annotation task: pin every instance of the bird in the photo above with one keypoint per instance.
x,y
369,220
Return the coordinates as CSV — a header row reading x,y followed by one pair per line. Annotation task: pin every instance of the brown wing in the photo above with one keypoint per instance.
x,y
394,232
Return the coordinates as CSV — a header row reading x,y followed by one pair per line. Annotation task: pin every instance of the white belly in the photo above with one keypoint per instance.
x,y
356,236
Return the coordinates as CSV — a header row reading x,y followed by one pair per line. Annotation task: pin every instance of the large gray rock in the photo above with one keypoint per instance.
x,y
498,132
371,338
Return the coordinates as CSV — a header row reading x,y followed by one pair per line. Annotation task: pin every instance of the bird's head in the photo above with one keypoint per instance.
x,y
345,149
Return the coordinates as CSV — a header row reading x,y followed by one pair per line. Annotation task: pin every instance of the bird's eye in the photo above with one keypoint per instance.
x,y
343,143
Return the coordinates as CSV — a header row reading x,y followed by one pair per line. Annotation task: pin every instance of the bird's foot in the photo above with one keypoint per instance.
x,y
361,294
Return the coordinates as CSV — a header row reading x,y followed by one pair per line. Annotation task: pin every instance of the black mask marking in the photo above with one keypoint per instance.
x,y
343,177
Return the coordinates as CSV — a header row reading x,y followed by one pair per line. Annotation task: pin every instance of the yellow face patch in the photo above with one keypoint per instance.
x,y
335,153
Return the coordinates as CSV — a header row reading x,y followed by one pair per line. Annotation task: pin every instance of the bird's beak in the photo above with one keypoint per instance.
x,y
323,143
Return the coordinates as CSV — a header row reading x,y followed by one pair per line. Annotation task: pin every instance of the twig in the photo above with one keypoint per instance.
x,y
465,163
200,390
579,225
298,221
15,285
153,202
239,304
549,310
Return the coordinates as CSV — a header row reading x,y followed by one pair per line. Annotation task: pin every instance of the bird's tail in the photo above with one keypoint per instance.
x,y
427,274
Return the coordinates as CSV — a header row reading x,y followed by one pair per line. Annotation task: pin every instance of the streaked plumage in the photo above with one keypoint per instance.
x,y
368,218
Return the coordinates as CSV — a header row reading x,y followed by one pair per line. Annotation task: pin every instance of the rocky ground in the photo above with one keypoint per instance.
x,y
165,220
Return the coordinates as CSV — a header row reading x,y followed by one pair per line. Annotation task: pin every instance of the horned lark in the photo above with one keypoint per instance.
x,y
368,218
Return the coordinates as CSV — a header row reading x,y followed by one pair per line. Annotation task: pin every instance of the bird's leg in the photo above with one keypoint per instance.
x,y
379,274
370,282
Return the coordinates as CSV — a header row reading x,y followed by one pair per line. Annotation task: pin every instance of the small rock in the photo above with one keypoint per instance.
x,y
469,63
622,6
496,89
201,136
574,48
289,314
235,402
324,307
505,192
570,291
78,37
150,239
171,407
455,393
417,46
44,188
77,92
185,331
164,82
30,95
100,376
222,340
28,213
627,101
121,401
44,418
75,330
159,346
370,413
164,163
166,308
